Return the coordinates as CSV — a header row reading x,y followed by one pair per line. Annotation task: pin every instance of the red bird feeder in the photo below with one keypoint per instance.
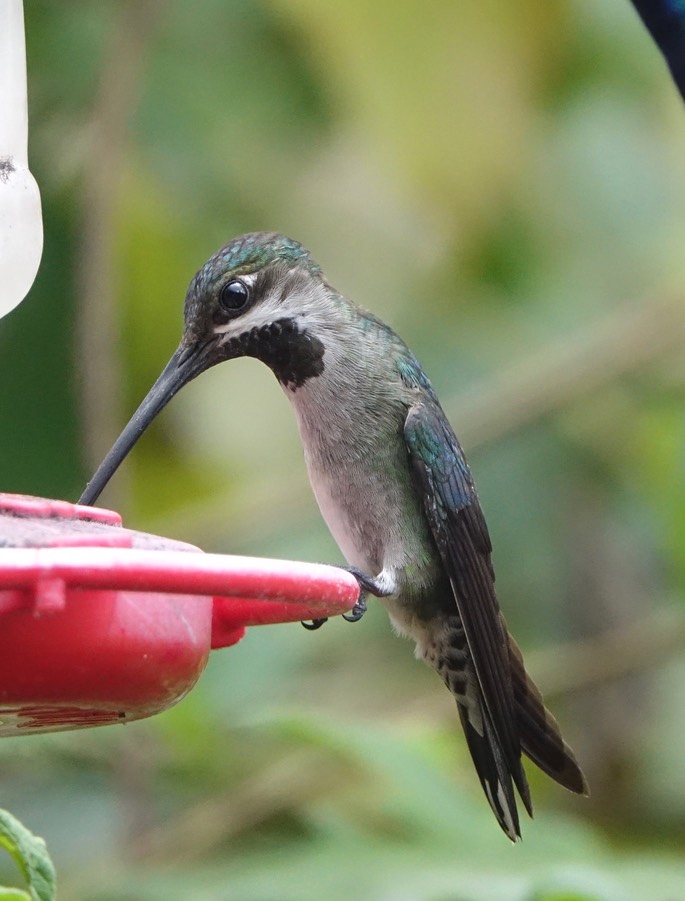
x,y
100,624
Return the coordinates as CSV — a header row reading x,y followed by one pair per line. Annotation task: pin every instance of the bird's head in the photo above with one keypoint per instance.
x,y
263,296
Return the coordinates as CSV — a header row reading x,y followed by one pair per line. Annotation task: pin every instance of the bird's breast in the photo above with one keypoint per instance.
x,y
351,422
352,514
371,507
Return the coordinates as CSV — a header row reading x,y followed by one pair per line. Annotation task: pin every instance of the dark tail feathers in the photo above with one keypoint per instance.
x,y
540,734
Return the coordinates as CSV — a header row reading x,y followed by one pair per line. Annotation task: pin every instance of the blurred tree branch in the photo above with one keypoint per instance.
x,y
610,655
98,327
554,377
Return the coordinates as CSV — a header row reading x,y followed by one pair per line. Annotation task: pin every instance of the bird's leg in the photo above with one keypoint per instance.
x,y
367,585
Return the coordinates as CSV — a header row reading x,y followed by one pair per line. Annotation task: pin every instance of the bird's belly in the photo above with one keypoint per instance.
x,y
345,512
378,524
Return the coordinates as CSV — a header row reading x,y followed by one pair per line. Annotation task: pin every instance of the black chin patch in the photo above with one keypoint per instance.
x,y
292,354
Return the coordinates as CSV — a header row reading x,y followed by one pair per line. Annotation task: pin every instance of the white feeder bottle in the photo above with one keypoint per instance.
x,y
21,224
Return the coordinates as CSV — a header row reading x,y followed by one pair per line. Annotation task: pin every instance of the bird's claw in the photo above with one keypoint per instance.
x,y
358,611
366,585
314,624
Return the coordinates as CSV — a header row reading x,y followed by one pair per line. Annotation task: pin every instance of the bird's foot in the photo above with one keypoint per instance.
x,y
367,585
314,624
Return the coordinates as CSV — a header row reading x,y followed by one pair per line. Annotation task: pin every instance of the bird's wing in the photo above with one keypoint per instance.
x,y
665,20
458,526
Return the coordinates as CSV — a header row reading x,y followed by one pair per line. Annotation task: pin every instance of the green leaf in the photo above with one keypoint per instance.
x,y
32,857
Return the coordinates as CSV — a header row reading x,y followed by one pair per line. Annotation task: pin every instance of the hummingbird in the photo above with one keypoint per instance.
x,y
391,481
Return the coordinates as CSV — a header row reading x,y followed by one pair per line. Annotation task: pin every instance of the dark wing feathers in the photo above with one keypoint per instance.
x,y
460,533
462,539
515,715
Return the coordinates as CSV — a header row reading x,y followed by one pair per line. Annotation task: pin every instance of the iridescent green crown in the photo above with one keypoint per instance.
x,y
253,251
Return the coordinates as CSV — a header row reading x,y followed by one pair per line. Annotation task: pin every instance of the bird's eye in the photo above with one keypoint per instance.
x,y
234,296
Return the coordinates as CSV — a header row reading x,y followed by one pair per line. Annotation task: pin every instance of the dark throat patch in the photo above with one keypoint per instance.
x,y
292,354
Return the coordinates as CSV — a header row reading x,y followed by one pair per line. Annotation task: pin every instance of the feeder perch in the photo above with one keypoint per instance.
x,y
101,624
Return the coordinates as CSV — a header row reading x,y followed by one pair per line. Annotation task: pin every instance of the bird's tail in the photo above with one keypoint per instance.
x,y
495,774
539,731
539,737
498,770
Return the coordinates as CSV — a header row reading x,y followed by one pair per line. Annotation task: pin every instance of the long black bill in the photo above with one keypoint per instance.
x,y
185,364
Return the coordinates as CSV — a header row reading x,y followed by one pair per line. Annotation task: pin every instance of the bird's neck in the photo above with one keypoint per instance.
x,y
359,390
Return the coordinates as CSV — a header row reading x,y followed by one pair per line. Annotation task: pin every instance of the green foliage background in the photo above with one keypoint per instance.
x,y
505,184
